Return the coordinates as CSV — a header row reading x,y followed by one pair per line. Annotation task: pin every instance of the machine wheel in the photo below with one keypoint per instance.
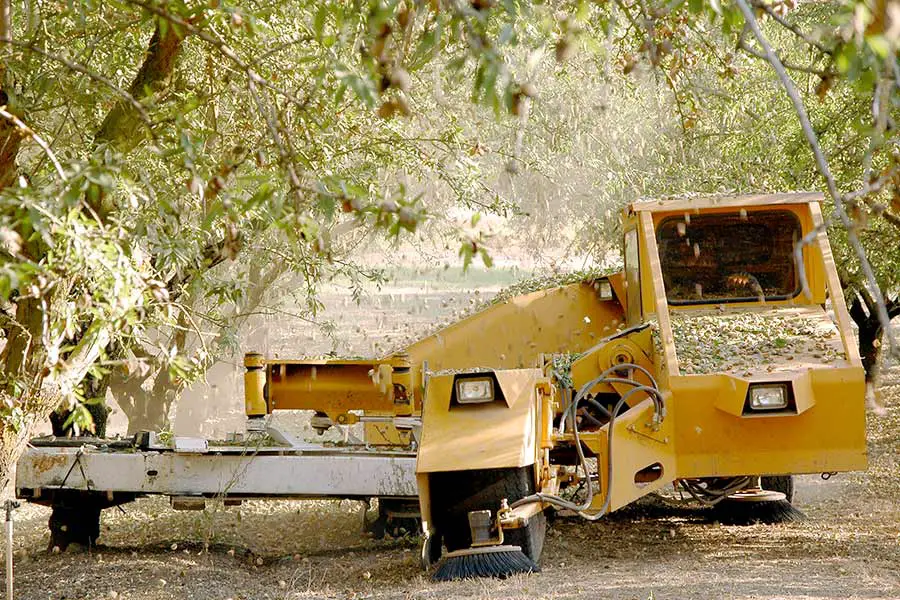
x,y
75,516
779,483
396,518
455,493
74,525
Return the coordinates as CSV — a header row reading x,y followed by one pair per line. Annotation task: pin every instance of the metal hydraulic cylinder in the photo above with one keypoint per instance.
x,y
255,385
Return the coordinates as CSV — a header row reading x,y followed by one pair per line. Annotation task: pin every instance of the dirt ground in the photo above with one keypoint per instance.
x,y
849,547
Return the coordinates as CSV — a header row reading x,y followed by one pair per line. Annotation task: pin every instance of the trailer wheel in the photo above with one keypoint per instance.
x,y
74,525
455,493
396,518
779,483
75,516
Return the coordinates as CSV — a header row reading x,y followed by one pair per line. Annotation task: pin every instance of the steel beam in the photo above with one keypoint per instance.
x,y
337,475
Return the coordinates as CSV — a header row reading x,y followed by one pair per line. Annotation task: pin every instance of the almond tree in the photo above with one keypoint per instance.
x,y
163,163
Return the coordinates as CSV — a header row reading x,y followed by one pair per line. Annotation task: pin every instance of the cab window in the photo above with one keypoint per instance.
x,y
729,257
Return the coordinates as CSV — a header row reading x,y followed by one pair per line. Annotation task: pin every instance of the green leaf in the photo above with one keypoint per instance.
x,y
478,81
879,45
844,57
732,20
362,87
319,20
424,51
467,252
486,258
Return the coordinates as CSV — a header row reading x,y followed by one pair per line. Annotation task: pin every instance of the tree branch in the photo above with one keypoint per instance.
x,y
223,48
822,164
29,132
81,359
742,44
159,63
791,27
867,194
79,68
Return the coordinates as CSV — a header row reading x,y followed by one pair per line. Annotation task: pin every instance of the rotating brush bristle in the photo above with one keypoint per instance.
x,y
731,512
490,561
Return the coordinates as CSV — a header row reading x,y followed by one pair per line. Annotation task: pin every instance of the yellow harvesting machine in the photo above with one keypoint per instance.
x,y
721,359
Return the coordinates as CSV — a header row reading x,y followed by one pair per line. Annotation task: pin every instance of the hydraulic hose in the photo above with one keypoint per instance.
x,y
653,389
659,407
712,497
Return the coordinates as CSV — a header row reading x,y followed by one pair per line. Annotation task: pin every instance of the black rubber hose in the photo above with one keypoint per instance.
x,y
659,406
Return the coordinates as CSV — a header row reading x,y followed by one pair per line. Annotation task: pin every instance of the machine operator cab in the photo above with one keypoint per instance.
x,y
749,323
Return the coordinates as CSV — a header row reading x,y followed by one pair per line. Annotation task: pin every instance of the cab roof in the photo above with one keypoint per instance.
x,y
700,202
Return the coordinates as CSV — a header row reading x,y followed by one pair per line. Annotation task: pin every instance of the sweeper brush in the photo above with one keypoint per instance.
x,y
491,561
756,506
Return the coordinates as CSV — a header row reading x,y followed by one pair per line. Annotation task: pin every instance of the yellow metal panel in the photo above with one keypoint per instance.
x,y
730,394
636,445
828,436
617,281
705,203
654,292
513,334
835,293
330,387
480,436
423,486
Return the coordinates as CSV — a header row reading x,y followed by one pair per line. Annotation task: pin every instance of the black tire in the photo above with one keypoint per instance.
x,y
75,518
779,483
74,525
388,520
430,550
455,493
378,527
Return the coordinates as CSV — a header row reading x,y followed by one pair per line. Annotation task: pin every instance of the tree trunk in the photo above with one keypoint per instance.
x,y
14,436
122,125
24,353
147,410
150,414
95,389
870,348
22,360
10,136
865,316
10,140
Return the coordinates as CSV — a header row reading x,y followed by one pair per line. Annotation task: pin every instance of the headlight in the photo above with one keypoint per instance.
x,y
768,397
604,290
475,390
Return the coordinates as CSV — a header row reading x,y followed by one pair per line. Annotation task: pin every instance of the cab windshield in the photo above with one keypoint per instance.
x,y
729,257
